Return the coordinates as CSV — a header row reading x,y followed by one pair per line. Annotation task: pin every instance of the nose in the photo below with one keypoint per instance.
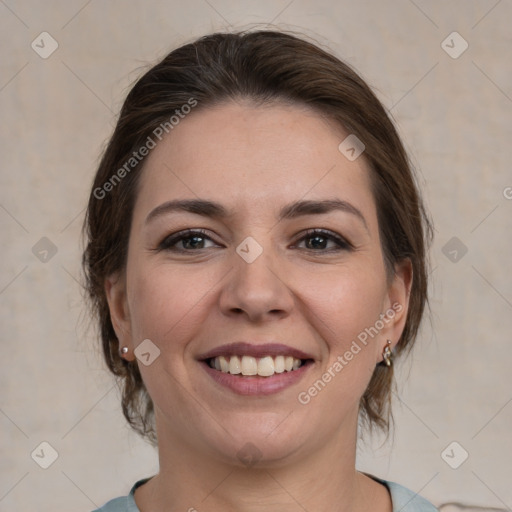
x,y
256,290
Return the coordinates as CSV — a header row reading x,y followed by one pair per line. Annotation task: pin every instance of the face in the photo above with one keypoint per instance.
x,y
255,245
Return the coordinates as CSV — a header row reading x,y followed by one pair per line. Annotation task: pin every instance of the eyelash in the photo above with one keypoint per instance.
x,y
169,243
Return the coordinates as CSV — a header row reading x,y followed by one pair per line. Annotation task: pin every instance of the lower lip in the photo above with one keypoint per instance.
x,y
257,385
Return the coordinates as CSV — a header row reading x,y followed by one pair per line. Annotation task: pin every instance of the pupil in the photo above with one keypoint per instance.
x,y
314,242
194,241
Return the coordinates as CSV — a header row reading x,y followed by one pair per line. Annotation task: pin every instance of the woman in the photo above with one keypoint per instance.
x,y
256,259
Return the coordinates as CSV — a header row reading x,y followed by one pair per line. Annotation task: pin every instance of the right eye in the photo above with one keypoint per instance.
x,y
190,240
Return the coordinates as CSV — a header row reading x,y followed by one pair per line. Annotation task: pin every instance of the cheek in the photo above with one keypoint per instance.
x,y
165,307
344,306
165,303
347,301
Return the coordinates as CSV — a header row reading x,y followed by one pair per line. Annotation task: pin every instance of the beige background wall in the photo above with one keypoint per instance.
x,y
455,116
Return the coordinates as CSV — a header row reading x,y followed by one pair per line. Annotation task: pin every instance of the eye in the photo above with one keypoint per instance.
x,y
188,240
320,240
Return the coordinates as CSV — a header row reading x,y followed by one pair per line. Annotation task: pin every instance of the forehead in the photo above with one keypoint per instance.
x,y
267,155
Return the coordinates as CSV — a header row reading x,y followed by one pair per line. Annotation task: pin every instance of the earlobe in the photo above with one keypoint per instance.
x,y
115,291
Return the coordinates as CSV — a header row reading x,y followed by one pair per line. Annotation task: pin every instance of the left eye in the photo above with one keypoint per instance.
x,y
316,240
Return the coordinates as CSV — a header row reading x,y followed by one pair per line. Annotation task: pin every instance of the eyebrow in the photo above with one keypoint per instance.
x,y
290,211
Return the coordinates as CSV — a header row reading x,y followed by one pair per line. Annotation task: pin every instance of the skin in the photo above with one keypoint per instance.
x,y
255,160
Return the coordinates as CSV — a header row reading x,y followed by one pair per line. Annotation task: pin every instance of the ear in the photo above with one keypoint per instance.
x,y
115,290
396,304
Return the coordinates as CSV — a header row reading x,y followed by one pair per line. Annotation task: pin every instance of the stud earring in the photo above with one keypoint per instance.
x,y
387,354
123,351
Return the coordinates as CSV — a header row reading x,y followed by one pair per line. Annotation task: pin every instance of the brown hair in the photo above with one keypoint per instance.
x,y
264,66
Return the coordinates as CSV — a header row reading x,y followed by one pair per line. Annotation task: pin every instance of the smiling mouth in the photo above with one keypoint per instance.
x,y
245,366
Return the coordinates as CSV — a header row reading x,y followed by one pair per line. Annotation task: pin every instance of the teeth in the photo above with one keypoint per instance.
x,y
266,366
279,364
248,365
234,365
224,364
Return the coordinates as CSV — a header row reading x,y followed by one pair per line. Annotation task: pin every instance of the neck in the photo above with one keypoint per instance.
x,y
321,479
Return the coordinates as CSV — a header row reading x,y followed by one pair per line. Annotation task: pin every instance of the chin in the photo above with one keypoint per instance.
x,y
252,447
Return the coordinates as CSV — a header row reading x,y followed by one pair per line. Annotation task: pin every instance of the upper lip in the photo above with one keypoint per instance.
x,y
243,348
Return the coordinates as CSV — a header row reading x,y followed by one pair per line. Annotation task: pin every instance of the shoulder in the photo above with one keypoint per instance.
x,y
123,503
116,505
405,500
